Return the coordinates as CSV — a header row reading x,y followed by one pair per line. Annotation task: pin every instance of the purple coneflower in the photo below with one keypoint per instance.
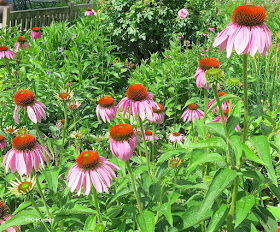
x,y
90,12
192,112
25,99
5,52
3,142
91,168
225,105
219,119
149,136
176,136
157,115
36,33
106,109
21,43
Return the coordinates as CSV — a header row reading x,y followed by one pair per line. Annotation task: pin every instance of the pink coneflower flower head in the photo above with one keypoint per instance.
x,y
91,168
123,140
176,136
205,34
211,28
183,13
219,119
21,43
157,115
74,105
90,12
36,33
205,64
25,154
25,99
3,142
106,109
10,229
138,100
3,208
149,136
225,105
180,37
246,33
6,53
191,113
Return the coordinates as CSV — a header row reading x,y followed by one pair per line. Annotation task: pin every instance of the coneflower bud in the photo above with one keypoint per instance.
x,y
174,162
232,82
214,75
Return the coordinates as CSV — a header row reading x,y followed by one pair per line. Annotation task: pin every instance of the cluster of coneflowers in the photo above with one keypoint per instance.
x,y
246,34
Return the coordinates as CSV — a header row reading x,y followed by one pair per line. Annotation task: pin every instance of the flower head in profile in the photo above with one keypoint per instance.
x,y
64,95
225,105
3,208
10,130
247,32
25,154
77,135
139,101
211,28
3,142
21,43
91,168
149,136
174,162
106,109
176,136
23,186
192,112
123,140
205,64
25,99
90,12
74,105
157,115
219,119
36,33
60,124
6,53
183,13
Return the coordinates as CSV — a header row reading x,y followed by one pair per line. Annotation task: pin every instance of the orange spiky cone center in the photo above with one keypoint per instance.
x,y
249,15
89,9
3,49
24,98
158,110
24,142
121,132
176,134
192,106
25,186
207,63
10,130
148,133
226,112
221,94
21,39
1,138
106,101
64,96
3,207
36,29
136,92
88,160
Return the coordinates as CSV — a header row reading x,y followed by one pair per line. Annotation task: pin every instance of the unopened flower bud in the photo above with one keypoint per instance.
x,y
214,75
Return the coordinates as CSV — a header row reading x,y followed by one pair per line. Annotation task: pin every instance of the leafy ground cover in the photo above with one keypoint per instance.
x,y
130,120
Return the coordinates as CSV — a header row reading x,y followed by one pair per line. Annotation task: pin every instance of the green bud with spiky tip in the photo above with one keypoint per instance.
x,y
22,130
233,82
214,75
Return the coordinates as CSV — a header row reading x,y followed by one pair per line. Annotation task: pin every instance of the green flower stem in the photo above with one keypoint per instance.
x,y
153,148
41,141
145,144
10,74
205,110
40,214
175,183
74,117
245,88
65,124
134,186
97,206
230,218
43,197
229,160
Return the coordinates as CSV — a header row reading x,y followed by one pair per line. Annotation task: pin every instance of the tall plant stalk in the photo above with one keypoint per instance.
x,y
245,88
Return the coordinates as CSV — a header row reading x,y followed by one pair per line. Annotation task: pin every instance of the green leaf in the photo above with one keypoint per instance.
x,y
90,223
215,142
233,119
253,228
51,176
275,212
243,206
170,153
71,208
262,146
218,218
146,221
220,181
237,147
266,218
23,218
22,206
166,210
251,155
191,216
205,158
217,127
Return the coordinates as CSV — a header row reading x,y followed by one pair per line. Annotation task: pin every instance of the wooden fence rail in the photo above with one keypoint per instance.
x,y
26,19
